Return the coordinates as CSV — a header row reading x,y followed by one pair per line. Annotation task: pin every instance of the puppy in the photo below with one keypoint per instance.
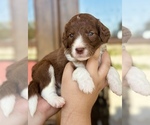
x,y
135,77
83,35
16,84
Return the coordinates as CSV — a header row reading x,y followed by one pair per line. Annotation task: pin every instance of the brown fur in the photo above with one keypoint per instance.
x,y
40,74
16,75
81,24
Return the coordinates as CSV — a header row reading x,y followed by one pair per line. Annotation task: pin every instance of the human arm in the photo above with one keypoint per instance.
x,y
19,114
77,110
126,65
43,112
126,62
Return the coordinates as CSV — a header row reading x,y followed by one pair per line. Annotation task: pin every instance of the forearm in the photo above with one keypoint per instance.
x,y
36,120
75,118
13,119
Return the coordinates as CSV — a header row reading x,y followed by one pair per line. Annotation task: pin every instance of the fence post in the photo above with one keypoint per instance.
x,y
19,15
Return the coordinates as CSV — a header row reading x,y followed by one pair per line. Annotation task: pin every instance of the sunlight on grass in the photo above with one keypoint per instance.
x,y
139,52
140,55
115,51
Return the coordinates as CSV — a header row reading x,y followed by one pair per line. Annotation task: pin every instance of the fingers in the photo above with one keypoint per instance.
x,y
96,54
93,64
105,65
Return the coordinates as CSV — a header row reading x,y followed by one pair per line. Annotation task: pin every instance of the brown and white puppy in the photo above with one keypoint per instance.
x,y
16,84
83,35
135,77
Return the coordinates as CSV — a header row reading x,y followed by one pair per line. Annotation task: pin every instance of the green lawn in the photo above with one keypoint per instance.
x,y
140,54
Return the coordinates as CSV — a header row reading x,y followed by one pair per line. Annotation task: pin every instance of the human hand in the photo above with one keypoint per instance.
x,y
126,58
43,112
126,63
18,116
78,104
130,76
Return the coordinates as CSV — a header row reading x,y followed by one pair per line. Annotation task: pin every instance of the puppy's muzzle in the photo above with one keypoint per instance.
x,y
80,50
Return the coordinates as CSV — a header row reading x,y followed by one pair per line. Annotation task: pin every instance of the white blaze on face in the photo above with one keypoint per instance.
x,y
79,43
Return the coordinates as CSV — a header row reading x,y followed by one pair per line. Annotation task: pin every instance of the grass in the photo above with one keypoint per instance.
x,y
140,54
115,50
138,49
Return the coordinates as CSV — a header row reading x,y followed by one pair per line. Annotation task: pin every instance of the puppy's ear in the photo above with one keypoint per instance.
x,y
64,38
104,32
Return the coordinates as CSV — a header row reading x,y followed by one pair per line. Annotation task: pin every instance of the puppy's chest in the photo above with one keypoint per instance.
x,y
59,72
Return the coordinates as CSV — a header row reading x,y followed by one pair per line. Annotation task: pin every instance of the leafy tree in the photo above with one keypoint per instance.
x,y
31,30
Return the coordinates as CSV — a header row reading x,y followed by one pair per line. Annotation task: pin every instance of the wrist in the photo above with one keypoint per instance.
x,y
74,116
38,119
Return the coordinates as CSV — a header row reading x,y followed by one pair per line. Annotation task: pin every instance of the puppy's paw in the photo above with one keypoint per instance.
x,y
24,93
33,101
49,94
7,104
114,81
84,80
86,85
56,101
137,81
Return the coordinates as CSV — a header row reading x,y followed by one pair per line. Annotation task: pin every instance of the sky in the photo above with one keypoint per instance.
x,y
133,13
99,8
30,11
4,11
108,12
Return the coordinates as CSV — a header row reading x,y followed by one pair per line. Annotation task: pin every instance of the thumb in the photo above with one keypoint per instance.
x,y
96,54
105,64
68,70
92,63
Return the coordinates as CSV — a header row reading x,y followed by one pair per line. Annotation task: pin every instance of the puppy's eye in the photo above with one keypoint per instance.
x,y
91,33
71,35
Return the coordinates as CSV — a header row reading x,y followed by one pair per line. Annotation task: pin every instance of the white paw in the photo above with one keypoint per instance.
x,y
7,104
56,101
86,85
24,93
84,80
137,81
114,81
49,94
33,101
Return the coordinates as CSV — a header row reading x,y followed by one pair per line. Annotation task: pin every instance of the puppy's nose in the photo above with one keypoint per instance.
x,y
80,50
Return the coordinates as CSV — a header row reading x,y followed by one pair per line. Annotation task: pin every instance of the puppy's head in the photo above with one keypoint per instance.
x,y
83,35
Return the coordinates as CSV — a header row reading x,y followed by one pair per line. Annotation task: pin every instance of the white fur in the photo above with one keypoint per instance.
x,y
103,47
33,101
113,78
69,57
79,43
114,81
74,61
49,92
84,80
7,104
24,93
137,81
78,64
